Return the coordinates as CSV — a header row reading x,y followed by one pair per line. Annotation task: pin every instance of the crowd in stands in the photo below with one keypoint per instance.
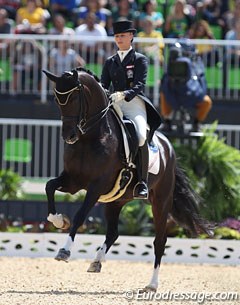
x,y
170,18
206,19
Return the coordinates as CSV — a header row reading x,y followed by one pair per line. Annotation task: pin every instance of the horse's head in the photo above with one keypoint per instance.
x,y
81,100
67,97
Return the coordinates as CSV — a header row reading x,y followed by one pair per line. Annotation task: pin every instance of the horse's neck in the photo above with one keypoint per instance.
x,y
98,99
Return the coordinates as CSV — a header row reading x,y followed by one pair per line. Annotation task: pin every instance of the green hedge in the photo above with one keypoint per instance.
x,y
214,170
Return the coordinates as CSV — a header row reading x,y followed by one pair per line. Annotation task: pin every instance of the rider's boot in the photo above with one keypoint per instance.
x,y
140,190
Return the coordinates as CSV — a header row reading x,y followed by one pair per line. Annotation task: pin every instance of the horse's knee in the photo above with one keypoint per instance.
x,y
50,186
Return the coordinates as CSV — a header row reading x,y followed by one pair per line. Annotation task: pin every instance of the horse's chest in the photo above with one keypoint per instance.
x,y
85,159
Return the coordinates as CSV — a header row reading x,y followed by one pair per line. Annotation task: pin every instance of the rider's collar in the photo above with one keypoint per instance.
x,y
122,54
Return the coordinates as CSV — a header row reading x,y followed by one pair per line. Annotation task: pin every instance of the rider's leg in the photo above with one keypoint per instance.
x,y
136,111
140,190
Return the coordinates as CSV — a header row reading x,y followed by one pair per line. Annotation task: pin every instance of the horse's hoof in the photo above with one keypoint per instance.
x,y
66,222
59,221
63,255
95,267
149,288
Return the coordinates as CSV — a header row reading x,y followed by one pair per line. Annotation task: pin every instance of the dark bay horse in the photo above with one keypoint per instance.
x,y
93,160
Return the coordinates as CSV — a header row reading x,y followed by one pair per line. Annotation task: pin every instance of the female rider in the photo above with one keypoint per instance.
x,y
127,71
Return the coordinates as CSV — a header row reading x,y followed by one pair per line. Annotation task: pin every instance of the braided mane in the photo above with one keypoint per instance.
x,y
89,72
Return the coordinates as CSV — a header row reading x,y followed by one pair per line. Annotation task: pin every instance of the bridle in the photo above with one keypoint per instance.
x,y
84,124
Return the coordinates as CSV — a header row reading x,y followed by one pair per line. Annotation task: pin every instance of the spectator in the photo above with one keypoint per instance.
x,y
233,52
123,10
30,18
5,28
202,30
65,8
212,13
232,55
151,50
149,10
233,15
27,66
92,6
179,21
59,27
45,6
5,23
93,50
11,6
64,58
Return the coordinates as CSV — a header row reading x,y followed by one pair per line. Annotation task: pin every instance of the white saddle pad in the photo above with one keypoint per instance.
x,y
154,157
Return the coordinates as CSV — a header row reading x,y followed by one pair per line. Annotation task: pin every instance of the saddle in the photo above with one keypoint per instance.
x,y
130,149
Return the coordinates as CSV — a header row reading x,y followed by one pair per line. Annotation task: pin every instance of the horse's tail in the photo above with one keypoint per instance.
x,y
185,208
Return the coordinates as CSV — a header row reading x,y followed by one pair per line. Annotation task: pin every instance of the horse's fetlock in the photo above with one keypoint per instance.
x,y
56,219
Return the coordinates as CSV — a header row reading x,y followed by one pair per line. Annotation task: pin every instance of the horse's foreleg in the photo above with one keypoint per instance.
x,y
58,220
112,211
90,199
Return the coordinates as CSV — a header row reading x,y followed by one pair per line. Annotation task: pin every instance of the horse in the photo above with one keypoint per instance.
x,y
93,159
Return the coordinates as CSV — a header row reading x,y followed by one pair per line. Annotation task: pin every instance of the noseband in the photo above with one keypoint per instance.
x,y
84,123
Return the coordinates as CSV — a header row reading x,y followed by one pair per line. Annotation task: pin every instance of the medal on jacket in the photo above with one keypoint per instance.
x,y
130,71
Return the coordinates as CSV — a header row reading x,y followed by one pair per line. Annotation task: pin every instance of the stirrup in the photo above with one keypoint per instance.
x,y
140,191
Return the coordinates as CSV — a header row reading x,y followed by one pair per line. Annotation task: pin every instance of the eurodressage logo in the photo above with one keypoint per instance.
x,y
198,297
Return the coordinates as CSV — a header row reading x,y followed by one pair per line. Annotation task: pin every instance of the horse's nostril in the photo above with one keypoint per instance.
x,y
73,136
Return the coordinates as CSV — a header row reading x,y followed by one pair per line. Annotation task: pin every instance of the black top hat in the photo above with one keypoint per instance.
x,y
123,27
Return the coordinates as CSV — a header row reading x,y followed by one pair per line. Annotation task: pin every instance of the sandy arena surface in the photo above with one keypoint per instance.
x,y
26,281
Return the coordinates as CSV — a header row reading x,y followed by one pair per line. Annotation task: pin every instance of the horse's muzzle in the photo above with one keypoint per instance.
x,y
72,139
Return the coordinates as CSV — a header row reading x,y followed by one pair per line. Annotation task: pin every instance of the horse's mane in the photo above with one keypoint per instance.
x,y
79,69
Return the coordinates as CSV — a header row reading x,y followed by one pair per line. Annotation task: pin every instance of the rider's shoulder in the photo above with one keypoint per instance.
x,y
140,55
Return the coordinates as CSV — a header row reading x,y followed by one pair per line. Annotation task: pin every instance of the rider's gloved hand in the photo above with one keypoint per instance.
x,y
117,97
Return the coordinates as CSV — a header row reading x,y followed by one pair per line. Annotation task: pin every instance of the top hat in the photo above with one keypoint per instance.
x,y
123,27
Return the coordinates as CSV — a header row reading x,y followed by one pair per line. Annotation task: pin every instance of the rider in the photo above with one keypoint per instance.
x,y
127,71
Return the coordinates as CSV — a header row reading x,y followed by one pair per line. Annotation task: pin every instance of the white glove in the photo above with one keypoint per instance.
x,y
117,97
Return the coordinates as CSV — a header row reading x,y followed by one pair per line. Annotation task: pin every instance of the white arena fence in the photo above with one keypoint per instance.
x,y
23,57
34,148
130,248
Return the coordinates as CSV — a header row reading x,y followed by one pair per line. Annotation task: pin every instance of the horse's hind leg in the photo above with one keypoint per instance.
x,y
112,211
161,205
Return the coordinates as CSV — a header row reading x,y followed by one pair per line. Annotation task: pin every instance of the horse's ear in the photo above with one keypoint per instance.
x,y
50,75
75,74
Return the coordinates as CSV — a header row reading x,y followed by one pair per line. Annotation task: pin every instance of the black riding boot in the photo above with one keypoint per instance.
x,y
140,190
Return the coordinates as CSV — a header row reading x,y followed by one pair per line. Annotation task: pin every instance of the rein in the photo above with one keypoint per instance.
x,y
84,125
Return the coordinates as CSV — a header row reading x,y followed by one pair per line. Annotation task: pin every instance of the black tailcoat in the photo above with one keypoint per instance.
x,y
130,76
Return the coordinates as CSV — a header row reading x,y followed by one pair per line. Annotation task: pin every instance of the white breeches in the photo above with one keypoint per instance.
x,y
135,110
